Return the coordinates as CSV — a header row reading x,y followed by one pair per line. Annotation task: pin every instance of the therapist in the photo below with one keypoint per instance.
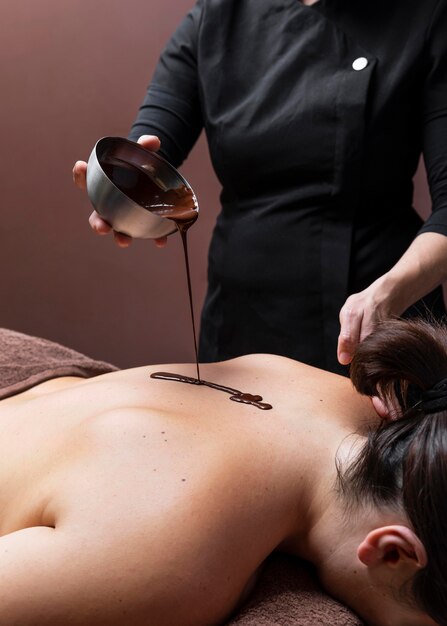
x,y
316,114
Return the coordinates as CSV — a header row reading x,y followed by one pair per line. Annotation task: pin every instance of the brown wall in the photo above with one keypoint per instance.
x,y
71,73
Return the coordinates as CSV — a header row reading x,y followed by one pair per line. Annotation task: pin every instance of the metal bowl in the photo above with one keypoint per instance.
x,y
124,180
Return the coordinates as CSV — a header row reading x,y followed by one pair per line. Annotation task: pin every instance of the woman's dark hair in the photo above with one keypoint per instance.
x,y
405,461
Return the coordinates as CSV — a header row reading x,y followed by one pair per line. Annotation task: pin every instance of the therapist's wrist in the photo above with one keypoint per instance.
x,y
399,290
420,270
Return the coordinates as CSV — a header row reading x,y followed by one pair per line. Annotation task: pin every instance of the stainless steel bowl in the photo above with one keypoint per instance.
x,y
124,180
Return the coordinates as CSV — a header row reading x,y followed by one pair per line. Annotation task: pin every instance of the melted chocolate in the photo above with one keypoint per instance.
x,y
184,214
180,206
182,209
235,394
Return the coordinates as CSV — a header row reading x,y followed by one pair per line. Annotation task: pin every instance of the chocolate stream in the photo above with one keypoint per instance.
x,y
180,206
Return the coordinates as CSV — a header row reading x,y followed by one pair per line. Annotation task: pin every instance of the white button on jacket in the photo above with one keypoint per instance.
x,y
360,64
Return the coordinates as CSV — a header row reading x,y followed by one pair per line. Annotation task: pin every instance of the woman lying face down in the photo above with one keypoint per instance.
x,y
126,500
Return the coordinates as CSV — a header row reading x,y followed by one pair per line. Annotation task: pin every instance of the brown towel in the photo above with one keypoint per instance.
x,y
287,593
27,361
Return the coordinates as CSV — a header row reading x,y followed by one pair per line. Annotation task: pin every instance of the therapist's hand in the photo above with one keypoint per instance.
x,y
422,268
100,226
387,409
360,314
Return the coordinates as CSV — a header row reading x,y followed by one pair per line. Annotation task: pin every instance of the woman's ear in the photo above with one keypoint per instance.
x,y
392,546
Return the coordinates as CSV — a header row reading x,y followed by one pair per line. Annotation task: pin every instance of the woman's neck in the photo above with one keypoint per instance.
x,y
331,543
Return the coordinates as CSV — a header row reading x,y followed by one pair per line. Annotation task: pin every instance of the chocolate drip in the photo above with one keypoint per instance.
x,y
141,183
184,214
235,394
181,207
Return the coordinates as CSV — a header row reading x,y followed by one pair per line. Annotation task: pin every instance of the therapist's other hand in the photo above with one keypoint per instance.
x,y
422,268
100,226
359,315
387,408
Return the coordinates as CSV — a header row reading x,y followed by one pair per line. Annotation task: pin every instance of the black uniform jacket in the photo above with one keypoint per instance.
x,y
316,117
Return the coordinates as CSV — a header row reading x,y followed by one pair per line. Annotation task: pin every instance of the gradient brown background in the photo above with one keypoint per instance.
x,y
71,73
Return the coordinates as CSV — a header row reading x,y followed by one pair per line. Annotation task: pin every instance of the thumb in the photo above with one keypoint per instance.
x,y
150,142
350,331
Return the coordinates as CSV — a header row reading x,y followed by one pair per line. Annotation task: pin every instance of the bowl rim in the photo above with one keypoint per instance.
x,y
152,154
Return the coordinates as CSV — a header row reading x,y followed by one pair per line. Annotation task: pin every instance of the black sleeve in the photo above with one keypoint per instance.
x,y
435,120
171,109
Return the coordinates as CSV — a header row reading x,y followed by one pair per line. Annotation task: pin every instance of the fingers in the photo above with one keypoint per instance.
x,y
80,174
380,407
122,240
101,227
98,224
384,411
151,142
358,318
350,332
161,242
388,408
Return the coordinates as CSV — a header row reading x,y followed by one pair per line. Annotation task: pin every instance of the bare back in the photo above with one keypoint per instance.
x,y
154,502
